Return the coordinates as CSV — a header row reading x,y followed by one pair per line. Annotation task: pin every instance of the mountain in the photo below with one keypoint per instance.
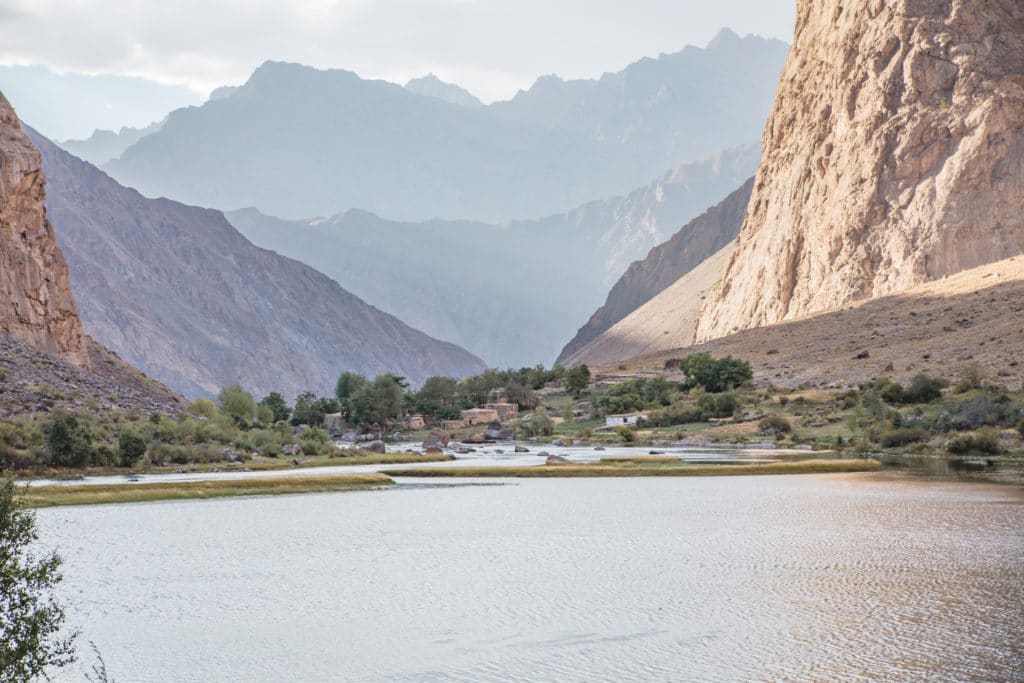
x,y
894,156
104,145
45,358
432,86
695,242
181,294
295,142
73,105
663,111
36,306
666,321
510,293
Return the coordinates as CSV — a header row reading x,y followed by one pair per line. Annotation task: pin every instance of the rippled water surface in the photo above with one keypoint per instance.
x,y
786,577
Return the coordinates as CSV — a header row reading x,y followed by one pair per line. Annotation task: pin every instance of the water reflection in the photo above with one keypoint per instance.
x,y
809,577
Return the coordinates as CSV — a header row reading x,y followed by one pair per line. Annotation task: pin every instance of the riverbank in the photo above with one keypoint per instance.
x,y
51,496
259,464
652,468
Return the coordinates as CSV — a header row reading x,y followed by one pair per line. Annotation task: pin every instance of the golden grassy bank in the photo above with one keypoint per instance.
x,y
648,469
48,496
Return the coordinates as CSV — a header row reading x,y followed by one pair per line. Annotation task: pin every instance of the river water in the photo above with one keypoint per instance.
x,y
812,577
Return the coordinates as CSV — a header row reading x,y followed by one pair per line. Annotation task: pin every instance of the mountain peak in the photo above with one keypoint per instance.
x,y
432,86
726,37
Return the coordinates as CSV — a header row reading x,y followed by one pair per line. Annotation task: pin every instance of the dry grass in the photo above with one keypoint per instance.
x,y
656,469
48,496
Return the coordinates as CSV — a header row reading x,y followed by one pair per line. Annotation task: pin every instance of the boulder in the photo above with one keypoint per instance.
x,y
558,442
437,438
434,450
376,446
555,460
522,449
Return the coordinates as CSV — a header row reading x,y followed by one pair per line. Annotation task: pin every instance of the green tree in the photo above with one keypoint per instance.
x,y
281,410
577,379
347,386
238,404
308,410
378,402
715,375
131,445
30,616
68,440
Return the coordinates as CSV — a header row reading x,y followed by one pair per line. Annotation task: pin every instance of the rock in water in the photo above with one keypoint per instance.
x,y
894,155
437,438
376,446
36,306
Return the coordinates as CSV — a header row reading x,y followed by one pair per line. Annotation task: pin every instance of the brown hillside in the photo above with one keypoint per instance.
x,y
973,316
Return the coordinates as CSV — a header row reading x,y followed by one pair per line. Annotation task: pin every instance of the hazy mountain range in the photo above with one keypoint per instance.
x,y
511,293
179,293
295,142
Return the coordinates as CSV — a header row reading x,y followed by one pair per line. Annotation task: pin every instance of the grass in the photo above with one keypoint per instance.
x,y
635,467
49,496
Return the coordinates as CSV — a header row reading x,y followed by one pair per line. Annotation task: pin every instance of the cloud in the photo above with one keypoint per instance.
x,y
491,47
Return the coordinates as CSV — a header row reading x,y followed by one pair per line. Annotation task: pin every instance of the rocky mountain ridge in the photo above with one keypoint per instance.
x,y
376,146
510,293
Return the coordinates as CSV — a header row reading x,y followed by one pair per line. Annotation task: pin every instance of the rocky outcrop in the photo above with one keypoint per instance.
x,y
179,293
36,305
894,156
643,280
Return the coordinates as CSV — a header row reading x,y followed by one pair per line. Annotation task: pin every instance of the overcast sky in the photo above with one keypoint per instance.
x,y
491,47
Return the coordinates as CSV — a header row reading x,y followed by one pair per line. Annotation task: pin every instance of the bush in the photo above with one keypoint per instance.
x,y
924,389
68,440
627,434
981,442
988,409
895,438
1020,427
131,446
721,405
537,424
972,376
774,424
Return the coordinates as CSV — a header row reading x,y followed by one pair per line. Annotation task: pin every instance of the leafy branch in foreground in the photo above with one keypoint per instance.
x,y
30,616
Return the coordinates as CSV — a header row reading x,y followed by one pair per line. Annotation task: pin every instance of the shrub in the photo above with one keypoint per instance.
x,y
68,440
721,405
980,442
203,408
1020,427
774,424
627,434
972,376
131,446
238,404
895,438
924,389
987,409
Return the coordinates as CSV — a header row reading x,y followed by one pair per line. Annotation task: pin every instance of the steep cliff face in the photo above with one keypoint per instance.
x,y
644,279
894,155
36,306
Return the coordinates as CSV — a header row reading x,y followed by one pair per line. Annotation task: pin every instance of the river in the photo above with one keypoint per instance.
x,y
811,577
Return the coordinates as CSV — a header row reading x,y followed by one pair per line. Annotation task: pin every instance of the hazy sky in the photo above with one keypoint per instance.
x,y
491,47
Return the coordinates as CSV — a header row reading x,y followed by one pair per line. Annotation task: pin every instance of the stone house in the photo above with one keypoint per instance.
x,y
623,419
476,416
